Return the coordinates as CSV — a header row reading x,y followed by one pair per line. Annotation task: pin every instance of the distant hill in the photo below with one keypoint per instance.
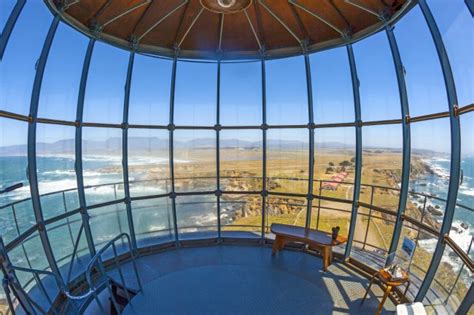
x,y
137,144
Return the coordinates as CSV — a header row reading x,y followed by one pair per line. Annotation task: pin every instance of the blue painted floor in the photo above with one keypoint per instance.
x,y
226,279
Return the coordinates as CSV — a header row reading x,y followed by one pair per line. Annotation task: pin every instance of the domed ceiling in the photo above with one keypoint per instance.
x,y
228,28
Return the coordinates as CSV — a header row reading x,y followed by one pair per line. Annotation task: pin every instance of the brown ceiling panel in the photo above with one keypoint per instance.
x,y
280,25
85,10
237,32
275,34
204,33
358,19
124,26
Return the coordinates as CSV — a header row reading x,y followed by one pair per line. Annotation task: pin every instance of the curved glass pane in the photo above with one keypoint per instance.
x,y
196,216
102,164
19,61
241,160
288,160
241,94
286,92
423,75
333,99
150,91
105,90
334,163
195,94
62,76
55,150
381,165
6,8
379,96
241,215
457,29
16,206
195,160
153,221
148,162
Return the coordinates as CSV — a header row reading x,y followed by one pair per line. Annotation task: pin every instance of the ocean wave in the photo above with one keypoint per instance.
x,y
60,172
46,187
440,159
466,191
147,160
460,234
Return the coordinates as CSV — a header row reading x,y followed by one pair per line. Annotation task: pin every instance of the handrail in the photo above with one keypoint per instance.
x,y
107,280
461,254
247,177
417,223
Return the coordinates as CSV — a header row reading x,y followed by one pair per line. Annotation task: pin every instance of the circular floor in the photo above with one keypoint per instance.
x,y
229,289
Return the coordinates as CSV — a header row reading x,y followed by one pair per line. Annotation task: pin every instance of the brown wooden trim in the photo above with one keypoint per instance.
x,y
461,254
421,225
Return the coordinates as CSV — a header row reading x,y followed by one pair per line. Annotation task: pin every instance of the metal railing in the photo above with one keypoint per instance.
x,y
375,254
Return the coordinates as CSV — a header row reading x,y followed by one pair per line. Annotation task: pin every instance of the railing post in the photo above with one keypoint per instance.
x,y
126,183
10,279
455,167
369,217
467,302
10,25
358,156
32,168
404,185
319,204
78,146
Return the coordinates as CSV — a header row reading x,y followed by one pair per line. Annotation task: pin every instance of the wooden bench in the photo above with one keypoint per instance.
x,y
316,240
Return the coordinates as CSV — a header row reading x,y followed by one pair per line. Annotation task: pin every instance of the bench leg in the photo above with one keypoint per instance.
x,y
368,288
276,245
385,295
326,257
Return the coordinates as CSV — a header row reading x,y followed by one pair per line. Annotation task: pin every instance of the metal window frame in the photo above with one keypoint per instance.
x,y
31,147
358,154
455,167
171,128
264,128
78,147
10,25
311,132
126,183
406,146
218,157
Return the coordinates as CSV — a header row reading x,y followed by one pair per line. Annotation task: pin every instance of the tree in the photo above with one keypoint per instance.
x,y
345,163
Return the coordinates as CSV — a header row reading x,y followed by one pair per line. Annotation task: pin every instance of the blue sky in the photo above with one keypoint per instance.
x,y
241,95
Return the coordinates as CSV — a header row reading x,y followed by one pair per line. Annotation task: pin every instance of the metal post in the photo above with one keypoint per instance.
x,y
126,183
10,279
358,157
264,147
32,175
455,168
467,302
406,142
369,216
171,128
311,139
10,25
218,159
78,143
